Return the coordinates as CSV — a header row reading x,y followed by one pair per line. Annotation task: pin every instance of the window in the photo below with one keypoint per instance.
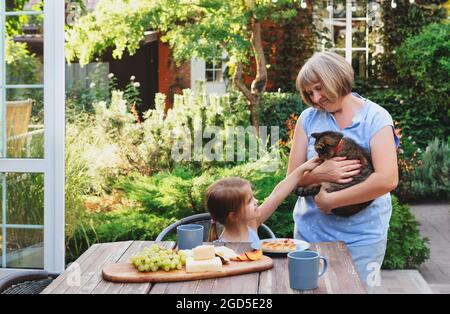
x,y
214,70
347,25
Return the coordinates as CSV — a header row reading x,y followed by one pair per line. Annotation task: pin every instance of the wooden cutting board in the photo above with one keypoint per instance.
x,y
126,272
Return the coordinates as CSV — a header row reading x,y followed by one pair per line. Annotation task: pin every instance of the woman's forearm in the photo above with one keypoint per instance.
x,y
374,186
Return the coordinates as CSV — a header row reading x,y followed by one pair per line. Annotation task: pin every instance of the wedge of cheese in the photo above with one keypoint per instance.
x,y
225,251
207,265
202,252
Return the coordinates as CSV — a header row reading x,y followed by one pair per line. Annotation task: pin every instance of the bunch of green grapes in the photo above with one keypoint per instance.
x,y
156,257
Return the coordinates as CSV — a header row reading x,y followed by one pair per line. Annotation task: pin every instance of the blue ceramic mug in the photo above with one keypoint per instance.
x,y
189,236
304,269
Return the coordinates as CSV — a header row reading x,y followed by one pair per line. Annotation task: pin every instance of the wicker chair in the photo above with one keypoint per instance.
x,y
205,221
18,115
26,282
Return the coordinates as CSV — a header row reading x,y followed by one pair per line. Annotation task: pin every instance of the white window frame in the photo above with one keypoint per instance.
x,y
349,34
52,165
217,65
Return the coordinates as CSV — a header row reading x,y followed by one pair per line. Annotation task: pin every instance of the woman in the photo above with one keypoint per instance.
x,y
324,83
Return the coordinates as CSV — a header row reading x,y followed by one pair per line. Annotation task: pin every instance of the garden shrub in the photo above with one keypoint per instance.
x,y
430,177
421,100
418,118
400,23
24,67
176,130
276,108
167,194
82,95
120,225
406,249
423,65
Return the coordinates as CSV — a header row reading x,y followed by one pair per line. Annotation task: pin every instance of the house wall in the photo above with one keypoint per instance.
x,y
172,79
198,68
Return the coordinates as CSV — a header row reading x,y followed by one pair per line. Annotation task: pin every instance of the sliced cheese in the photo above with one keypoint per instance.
x,y
202,252
225,252
207,265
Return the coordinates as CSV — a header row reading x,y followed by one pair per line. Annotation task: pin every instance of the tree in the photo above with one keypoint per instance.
x,y
193,28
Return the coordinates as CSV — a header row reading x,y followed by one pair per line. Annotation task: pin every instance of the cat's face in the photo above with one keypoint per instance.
x,y
326,143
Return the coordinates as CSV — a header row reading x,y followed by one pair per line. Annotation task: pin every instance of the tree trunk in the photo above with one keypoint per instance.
x,y
258,86
252,101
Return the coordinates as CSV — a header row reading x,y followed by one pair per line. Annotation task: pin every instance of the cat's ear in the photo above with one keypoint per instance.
x,y
315,135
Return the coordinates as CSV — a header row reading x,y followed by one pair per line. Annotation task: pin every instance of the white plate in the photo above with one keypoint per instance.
x,y
300,245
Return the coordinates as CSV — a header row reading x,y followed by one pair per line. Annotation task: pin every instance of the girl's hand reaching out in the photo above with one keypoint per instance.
x,y
311,164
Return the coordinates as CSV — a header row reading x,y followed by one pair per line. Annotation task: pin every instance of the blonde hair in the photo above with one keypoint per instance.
x,y
222,198
329,69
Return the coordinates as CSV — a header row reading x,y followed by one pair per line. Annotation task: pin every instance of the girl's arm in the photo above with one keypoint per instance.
x,y
283,189
383,180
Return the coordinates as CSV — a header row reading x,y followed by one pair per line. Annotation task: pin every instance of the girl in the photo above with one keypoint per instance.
x,y
230,202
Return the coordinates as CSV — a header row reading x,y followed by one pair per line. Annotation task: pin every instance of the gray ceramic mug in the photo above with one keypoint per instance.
x,y
189,236
304,269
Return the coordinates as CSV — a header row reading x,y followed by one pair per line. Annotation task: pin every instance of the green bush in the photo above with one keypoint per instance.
x,y
406,249
400,23
417,117
121,225
430,179
423,63
24,68
275,109
82,95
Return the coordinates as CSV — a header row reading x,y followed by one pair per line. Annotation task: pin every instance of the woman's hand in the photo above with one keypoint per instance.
x,y
324,201
337,170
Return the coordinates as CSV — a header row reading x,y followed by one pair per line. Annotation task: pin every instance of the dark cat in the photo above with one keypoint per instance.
x,y
331,144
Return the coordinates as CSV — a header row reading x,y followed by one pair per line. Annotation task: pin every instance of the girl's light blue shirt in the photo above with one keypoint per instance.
x,y
252,237
371,224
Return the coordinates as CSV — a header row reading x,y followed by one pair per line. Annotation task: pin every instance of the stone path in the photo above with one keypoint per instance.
x,y
403,282
434,222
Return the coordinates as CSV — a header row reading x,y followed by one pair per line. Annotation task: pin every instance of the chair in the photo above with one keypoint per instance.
x,y
205,220
18,114
26,282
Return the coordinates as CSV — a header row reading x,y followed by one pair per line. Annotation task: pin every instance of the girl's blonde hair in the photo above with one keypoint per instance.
x,y
329,69
222,198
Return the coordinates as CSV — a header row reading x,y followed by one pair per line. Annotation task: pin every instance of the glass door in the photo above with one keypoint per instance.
x,y
32,134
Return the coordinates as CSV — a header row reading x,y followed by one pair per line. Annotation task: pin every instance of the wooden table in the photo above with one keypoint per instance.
x,y
85,274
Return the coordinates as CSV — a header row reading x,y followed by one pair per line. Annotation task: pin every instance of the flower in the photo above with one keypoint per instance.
x,y
92,85
136,84
110,75
401,102
132,78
